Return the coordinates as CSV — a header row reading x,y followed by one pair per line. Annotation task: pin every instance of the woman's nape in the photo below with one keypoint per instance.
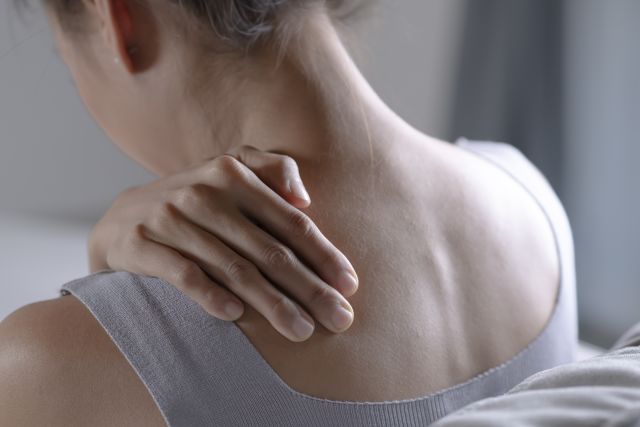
x,y
170,99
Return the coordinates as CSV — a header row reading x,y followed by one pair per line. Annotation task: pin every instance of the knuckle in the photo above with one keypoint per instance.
x,y
163,217
321,295
288,164
246,153
188,196
186,275
240,272
128,246
133,240
138,234
249,149
212,300
277,256
230,166
210,168
331,259
282,308
300,224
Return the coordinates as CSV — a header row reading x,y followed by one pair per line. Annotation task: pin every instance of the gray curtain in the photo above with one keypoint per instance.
x,y
561,81
510,85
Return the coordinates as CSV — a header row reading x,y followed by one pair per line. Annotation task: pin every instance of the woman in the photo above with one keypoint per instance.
x,y
463,252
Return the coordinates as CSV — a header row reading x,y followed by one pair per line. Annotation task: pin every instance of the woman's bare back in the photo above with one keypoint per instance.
x,y
458,273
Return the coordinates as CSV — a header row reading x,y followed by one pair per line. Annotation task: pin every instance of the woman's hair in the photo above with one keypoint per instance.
x,y
239,22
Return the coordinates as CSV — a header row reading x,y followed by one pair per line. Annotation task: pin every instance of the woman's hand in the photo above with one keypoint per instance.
x,y
219,229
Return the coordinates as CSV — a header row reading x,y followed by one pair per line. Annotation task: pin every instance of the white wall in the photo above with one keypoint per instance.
x,y
54,161
37,256
56,165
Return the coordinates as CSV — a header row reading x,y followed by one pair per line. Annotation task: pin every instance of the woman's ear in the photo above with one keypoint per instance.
x,y
119,29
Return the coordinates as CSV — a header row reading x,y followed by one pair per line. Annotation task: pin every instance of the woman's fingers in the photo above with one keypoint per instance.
x,y
277,171
282,266
155,259
279,264
298,232
291,226
275,261
244,189
236,274
216,249
228,196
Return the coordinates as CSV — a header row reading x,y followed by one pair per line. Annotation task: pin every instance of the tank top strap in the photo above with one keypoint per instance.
x,y
518,167
189,361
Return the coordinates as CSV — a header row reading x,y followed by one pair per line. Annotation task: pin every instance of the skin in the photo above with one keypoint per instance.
x,y
457,264
217,229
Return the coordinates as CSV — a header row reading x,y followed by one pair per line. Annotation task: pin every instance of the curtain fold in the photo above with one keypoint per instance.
x,y
510,78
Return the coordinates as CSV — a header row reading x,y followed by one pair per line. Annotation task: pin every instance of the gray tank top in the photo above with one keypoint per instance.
x,y
203,372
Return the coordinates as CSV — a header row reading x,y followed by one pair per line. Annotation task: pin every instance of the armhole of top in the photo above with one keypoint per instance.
x,y
516,165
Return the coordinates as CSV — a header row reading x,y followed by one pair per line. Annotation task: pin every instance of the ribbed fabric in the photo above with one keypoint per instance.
x,y
203,372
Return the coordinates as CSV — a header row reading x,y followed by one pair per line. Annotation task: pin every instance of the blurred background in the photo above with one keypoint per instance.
x,y
560,79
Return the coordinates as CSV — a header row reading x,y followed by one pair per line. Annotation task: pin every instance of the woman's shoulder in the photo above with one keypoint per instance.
x,y
509,223
59,367
514,166
515,192
511,198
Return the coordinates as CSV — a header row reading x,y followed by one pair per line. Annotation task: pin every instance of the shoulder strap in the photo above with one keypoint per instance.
x,y
195,367
518,167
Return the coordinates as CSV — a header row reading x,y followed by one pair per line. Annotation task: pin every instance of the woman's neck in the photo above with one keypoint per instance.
x,y
309,102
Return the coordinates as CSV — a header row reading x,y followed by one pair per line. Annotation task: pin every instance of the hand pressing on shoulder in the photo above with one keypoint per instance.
x,y
229,232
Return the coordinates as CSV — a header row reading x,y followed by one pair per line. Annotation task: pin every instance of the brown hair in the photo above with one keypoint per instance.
x,y
238,22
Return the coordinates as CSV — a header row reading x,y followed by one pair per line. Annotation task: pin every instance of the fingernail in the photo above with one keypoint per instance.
x,y
302,328
342,318
298,190
234,310
347,282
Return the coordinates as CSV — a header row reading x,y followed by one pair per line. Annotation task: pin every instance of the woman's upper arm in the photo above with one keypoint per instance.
x,y
59,368
30,362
